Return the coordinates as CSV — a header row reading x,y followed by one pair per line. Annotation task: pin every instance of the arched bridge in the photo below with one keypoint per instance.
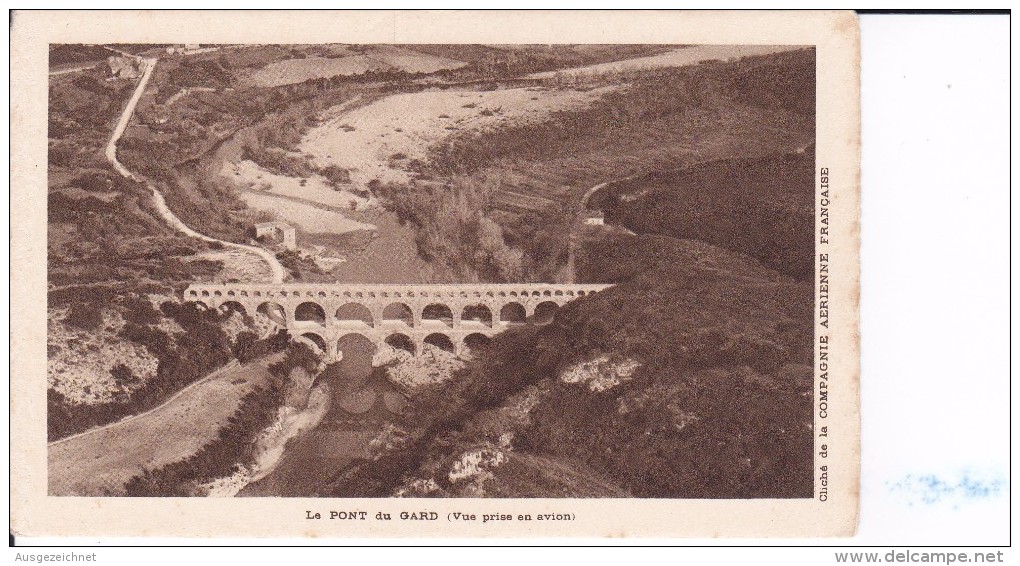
x,y
451,317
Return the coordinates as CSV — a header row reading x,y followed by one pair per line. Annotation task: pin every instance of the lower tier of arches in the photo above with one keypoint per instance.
x,y
332,344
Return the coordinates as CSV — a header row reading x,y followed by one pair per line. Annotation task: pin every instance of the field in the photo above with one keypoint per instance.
x,y
380,140
664,119
85,465
308,203
690,55
754,206
64,55
304,216
376,58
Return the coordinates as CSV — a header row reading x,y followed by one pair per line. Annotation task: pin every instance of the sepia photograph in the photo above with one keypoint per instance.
x,y
439,270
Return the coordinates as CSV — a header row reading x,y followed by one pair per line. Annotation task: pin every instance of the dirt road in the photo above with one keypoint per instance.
x,y
279,273
75,69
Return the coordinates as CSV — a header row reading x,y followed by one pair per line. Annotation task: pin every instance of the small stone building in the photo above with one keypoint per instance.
x,y
594,218
183,49
124,67
279,231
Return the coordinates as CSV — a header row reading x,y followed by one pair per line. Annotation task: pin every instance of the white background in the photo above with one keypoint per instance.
x,y
935,305
935,312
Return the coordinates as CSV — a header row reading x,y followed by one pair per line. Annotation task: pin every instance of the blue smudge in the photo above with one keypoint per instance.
x,y
931,489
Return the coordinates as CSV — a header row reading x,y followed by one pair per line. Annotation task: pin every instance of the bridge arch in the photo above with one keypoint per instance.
x,y
513,313
233,306
274,311
310,311
438,312
316,339
476,341
398,312
401,341
545,312
477,313
355,312
355,341
440,340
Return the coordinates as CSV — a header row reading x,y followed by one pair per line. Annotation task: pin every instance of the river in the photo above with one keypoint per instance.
x,y
360,399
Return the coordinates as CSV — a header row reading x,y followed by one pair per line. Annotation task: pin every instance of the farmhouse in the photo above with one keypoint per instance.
x,y
594,218
123,67
279,231
183,49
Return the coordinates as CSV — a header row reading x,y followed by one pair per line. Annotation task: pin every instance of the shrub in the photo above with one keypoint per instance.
x,y
123,376
335,175
297,263
139,310
277,161
218,458
84,316
248,347
298,355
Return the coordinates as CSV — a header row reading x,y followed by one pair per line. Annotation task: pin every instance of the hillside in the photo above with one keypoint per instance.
x,y
532,175
690,378
113,263
70,54
757,206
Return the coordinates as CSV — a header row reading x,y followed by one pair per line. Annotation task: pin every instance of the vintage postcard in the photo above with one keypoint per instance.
x,y
434,274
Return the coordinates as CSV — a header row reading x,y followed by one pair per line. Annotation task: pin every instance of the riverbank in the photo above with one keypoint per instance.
x,y
272,443
361,401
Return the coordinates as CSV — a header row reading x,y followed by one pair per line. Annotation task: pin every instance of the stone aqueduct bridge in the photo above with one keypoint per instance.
x,y
452,317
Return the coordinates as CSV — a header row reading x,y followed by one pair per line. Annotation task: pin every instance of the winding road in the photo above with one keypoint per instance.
x,y
279,273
